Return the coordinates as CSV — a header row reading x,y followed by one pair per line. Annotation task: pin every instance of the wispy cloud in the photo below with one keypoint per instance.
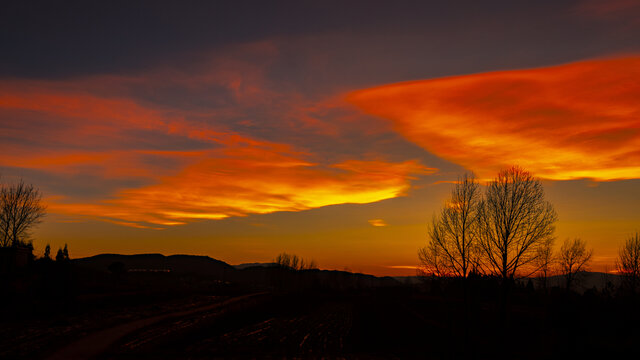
x,y
251,181
579,120
191,159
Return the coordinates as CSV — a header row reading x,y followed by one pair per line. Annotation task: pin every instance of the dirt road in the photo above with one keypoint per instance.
x,y
92,345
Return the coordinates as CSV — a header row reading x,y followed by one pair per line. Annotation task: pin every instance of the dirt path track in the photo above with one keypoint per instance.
x,y
94,344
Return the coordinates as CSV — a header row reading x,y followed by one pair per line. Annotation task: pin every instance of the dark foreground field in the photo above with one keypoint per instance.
x,y
366,325
278,313
375,325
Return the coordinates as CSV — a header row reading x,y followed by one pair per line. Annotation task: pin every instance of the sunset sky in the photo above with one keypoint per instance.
x,y
328,129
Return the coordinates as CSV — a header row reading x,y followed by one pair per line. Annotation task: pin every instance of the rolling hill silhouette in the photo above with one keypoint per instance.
x,y
260,275
179,264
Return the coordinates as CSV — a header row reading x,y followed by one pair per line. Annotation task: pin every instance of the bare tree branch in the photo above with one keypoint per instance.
x,y
514,220
293,262
20,209
628,263
574,257
453,248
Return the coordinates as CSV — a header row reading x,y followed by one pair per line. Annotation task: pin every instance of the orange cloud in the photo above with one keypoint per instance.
x,y
250,180
167,146
580,120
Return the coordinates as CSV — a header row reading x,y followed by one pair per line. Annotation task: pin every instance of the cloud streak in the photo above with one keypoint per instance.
x,y
579,120
237,182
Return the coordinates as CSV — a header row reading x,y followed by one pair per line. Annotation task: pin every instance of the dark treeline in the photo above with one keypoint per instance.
x,y
507,232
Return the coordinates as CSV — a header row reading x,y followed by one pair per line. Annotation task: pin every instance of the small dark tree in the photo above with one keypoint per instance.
x,y
628,263
47,252
287,275
59,255
308,264
20,209
573,258
293,262
65,252
283,260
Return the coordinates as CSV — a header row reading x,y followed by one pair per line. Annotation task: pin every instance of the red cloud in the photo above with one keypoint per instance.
x,y
580,120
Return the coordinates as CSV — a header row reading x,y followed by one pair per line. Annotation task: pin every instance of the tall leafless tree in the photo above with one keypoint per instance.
x,y
20,209
573,258
514,221
628,263
453,247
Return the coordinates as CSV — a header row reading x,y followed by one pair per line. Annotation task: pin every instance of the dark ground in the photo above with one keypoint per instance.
x,y
378,324
304,315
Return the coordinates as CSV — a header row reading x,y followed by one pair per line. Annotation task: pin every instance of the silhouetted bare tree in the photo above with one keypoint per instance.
x,y
453,248
514,221
292,261
573,258
20,209
284,260
544,261
308,264
628,263
47,252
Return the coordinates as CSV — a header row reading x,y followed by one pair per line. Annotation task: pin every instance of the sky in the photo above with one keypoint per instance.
x,y
333,130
